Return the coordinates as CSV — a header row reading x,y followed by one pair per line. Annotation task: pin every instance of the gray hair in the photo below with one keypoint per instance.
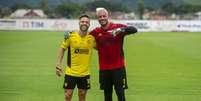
x,y
101,9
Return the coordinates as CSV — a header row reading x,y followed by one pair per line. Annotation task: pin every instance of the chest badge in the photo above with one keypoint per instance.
x,y
100,34
88,42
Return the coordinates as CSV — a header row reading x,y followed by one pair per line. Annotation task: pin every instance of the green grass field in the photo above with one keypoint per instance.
x,y
163,66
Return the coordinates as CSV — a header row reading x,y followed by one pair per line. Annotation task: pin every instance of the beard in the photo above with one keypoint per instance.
x,y
103,22
83,28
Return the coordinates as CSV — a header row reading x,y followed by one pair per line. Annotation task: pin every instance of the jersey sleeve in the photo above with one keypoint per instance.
x,y
121,26
127,29
65,43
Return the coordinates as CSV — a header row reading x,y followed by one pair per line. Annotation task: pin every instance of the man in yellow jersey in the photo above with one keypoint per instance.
x,y
79,45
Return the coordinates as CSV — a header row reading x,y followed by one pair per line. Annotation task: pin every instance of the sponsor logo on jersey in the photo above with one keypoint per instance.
x,y
81,51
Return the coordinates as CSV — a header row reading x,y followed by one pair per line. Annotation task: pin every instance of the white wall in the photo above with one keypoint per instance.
x,y
62,25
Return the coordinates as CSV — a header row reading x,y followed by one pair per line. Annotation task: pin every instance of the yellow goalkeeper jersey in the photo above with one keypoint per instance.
x,y
79,54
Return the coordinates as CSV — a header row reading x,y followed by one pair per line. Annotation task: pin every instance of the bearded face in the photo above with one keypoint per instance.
x,y
84,27
103,22
84,24
102,18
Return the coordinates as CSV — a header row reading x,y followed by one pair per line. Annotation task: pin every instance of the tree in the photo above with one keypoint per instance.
x,y
20,6
169,7
91,6
141,8
181,9
44,6
69,10
5,12
188,8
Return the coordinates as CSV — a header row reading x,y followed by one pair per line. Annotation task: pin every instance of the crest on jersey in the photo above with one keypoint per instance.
x,y
88,42
99,34
75,42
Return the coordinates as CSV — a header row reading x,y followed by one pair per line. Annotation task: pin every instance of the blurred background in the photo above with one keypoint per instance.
x,y
121,9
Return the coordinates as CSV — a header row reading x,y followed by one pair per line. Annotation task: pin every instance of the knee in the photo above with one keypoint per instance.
x,y
68,95
82,94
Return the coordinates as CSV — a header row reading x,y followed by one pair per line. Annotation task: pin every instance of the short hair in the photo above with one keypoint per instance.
x,y
101,9
84,15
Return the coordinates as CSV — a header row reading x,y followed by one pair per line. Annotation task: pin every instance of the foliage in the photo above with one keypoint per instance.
x,y
20,6
69,10
181,9
5,12
141,8
188,8
44,6
91,6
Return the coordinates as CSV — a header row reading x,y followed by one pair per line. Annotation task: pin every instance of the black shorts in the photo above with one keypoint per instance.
x,y
116,77
82,82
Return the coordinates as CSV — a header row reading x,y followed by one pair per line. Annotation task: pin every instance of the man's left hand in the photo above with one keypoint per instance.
x,y
117,31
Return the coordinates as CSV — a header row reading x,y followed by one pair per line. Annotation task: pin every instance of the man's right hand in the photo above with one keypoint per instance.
x,y
59,71
67,34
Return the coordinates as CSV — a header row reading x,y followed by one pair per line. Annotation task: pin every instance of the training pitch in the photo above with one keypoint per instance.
x,y
161,66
